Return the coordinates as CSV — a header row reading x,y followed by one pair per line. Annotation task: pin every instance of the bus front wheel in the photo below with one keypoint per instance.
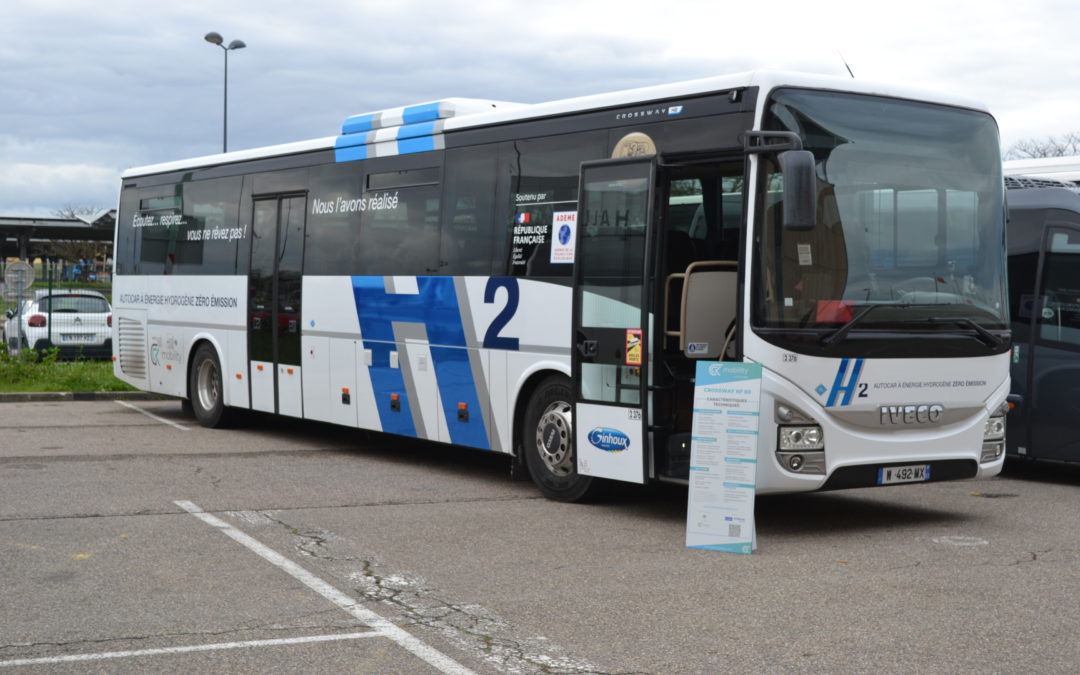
x,y
547,439
205,389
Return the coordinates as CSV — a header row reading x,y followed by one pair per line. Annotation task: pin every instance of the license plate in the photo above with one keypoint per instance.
x,y
76,337
912,473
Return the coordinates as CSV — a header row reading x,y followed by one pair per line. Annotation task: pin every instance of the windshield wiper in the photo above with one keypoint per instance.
x,y
984,336
981,333
841,332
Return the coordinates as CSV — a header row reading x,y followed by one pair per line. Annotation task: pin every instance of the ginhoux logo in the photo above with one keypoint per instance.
x,y
609,440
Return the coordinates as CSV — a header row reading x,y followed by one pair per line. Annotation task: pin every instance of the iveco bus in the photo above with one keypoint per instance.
x,y
540,280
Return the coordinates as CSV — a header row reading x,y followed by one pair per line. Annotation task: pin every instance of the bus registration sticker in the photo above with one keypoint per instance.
x,y
912,473
633,346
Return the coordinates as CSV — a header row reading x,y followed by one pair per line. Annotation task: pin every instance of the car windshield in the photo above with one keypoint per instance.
x,y
82,304
910,220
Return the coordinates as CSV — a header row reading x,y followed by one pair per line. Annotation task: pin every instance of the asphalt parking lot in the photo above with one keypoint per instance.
x,y
133,540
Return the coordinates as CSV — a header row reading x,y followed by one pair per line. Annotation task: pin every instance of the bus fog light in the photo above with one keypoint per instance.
x,y
802,462
995,429
992,451
801,438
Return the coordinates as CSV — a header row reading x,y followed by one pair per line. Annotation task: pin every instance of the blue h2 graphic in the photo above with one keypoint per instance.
x,y
839,386
435,306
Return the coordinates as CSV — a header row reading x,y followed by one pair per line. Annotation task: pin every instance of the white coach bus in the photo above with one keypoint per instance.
x,y
1066,169
540,280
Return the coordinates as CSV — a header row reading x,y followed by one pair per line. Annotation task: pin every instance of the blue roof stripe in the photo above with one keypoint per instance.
x,y
410,145
351,154
358,123
421,113
351,140
414,130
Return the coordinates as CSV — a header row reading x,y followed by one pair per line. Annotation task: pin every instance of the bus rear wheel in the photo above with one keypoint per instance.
x,y
547,439
205,390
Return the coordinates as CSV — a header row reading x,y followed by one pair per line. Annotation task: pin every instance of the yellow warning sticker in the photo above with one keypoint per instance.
x,y
633,346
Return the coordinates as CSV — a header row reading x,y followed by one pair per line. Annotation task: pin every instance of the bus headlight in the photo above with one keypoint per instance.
x,y
801,438
994,429
993,437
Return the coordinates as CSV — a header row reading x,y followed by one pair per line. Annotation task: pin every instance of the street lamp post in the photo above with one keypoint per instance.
x,y
216,39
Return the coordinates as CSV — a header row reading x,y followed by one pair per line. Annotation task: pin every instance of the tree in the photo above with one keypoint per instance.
x,y
1067,145
74,211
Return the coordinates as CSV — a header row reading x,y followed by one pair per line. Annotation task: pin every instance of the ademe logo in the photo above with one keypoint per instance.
x,y
609,440
564,235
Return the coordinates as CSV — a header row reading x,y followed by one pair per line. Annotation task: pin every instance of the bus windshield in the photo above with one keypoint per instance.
x,y
910,222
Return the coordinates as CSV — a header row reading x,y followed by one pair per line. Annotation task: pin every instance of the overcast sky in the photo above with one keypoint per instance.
x,y
88,89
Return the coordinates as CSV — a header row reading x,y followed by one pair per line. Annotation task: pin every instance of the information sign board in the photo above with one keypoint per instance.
x,y
723,457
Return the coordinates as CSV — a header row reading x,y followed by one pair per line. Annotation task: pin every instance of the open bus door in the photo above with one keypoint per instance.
x,y
611,354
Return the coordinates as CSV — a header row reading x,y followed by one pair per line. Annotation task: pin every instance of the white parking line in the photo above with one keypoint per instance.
x,y
47,660
377,623
153,416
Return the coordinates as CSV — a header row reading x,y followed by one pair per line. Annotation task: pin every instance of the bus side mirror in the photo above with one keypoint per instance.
x,y
800,189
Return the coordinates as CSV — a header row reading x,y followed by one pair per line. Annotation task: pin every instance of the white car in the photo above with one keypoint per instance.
x,y
78,322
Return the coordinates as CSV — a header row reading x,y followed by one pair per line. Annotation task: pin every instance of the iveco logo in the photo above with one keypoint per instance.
x,y
609,440
912,414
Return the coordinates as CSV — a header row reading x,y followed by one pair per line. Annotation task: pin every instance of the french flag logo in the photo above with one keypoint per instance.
x,y
522,218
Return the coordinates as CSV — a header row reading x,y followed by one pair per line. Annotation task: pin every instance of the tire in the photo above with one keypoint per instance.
x,y
547,440
205,390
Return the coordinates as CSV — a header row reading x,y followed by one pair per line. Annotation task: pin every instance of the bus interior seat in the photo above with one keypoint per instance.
x,y
824,277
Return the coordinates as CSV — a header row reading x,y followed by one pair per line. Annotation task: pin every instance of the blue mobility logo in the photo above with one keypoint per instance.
x,y
841,387
609,440
731,370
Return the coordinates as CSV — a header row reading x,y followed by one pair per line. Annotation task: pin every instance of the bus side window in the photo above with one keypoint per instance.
x,y
1059,302
155,238
686,223
543,182
208,237
126,232
467,244
399,231
333,220
704,215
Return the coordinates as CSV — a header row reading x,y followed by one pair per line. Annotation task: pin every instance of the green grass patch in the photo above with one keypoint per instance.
x,y
29,371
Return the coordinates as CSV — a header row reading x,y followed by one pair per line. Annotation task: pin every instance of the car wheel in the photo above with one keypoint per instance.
x,y
547,439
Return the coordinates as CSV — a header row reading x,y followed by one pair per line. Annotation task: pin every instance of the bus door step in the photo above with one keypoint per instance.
x,y
676,460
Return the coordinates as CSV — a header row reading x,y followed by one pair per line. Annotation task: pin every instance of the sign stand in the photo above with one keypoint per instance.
x,y
723,457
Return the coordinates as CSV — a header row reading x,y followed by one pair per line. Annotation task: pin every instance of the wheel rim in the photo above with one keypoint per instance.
x,y
207,385
554,438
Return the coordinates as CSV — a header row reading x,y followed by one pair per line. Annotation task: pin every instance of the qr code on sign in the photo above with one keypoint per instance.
x,y
734,530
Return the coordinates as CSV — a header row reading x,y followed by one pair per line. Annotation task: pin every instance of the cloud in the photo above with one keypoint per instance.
x,y
94,88
37,190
